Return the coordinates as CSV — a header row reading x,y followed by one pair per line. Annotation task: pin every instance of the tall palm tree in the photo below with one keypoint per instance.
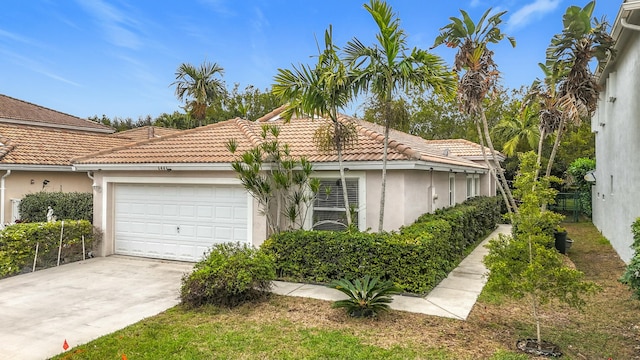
x,y
198,87
519,131
389,67
322,91
582,40
480,75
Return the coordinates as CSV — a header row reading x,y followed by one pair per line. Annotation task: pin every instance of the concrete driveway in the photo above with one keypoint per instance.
x,y
82,301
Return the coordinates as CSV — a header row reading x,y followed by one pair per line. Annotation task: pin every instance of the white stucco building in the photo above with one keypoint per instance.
x,y
616,124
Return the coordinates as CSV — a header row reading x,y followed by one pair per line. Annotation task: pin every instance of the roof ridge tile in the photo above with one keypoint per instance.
x,y
247,131
394,144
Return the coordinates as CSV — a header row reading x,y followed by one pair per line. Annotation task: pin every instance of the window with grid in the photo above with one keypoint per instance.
x,y
473,185
329,212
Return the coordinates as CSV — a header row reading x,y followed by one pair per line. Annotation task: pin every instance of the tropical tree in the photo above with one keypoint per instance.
x,y
389,67
480,75
570,54
322,91
518,132
198,87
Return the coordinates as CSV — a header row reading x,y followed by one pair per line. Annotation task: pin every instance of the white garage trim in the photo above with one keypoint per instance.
x,y
108,192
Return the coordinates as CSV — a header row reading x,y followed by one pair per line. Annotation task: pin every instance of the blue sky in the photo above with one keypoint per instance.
x,y
118,57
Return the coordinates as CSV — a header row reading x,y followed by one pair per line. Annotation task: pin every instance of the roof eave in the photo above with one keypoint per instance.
x,y
56,126
36,167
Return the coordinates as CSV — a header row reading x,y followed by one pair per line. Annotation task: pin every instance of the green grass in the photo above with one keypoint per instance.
x,y
187,334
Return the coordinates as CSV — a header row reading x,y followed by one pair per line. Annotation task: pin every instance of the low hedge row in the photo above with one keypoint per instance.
x,y
73,205
416,258
18,244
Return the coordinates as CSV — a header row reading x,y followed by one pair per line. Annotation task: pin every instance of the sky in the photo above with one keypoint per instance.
x,y
118,57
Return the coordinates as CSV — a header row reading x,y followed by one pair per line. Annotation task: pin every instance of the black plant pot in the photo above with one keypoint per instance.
x,y
530,346
561,241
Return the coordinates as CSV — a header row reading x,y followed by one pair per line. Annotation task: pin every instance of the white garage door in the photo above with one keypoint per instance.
x,y
178,222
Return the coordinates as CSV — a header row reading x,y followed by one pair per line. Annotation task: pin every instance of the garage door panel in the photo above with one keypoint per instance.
x,y
147,218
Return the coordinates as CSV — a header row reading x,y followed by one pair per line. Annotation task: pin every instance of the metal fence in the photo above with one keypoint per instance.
x,y
573,205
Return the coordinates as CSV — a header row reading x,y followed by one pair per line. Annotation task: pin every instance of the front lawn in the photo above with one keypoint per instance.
x,y
296,328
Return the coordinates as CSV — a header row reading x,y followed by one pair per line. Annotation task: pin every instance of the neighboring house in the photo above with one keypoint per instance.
x,y
36,146
616,199
175,196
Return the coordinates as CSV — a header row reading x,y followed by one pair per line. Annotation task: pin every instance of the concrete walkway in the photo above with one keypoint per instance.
x,y
454,297
82,301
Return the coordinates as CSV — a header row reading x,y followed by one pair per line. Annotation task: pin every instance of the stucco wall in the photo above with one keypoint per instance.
x,y
19,183
616,202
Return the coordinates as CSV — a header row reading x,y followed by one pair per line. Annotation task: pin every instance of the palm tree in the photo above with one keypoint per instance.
x,y
570,53
480,75
388,67
518,132
198,87
321,91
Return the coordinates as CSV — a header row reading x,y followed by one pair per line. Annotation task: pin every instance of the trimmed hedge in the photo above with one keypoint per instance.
x,y
18,244
73,206
416,258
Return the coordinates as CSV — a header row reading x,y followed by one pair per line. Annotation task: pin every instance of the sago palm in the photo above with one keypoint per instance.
x,y
479,75
390,67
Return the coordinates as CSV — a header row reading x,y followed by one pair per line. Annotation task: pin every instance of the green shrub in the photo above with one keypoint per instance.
x,y
416,258
66,206
367,297
230,275
631,276
18,244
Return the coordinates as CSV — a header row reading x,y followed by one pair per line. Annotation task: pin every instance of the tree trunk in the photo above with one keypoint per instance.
x,y
493,174
503,180
543,134
384,177
345,195
556,145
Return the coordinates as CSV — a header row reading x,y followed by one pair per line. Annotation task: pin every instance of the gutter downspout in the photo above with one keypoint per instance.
x,y
626,25
2,196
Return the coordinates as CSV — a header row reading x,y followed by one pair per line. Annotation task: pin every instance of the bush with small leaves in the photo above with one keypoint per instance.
x,y
231,274
367,297
631,275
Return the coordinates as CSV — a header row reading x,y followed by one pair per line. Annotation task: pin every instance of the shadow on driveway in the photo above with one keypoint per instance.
x,y
82,301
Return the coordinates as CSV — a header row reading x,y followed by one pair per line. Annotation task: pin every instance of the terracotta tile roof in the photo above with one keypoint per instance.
x,y
22,112
32,145
460,147
145,133
207,144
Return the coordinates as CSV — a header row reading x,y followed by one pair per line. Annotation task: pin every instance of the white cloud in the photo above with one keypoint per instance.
x,y
119,28
530,12
35,66
474,3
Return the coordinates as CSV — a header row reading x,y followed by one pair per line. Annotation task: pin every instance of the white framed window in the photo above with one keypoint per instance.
x,y
473,185
452,189
329,212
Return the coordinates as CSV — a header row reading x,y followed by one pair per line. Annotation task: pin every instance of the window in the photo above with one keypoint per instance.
x,y
452,189
473,185
329,212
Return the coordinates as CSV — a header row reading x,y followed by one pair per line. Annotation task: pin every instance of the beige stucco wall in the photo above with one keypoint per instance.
x,y
103,200
19,183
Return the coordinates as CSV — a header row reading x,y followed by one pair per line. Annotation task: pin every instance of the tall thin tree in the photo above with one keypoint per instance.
x,y
389,67
322,91
480,75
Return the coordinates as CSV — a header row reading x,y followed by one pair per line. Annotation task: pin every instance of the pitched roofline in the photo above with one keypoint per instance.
x,y
105,129
374,135
270,115
146,141
55,126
